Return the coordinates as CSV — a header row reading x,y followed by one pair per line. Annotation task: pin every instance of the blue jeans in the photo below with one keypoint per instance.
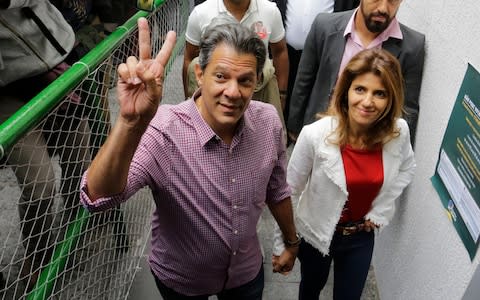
x,y
251,290
351,255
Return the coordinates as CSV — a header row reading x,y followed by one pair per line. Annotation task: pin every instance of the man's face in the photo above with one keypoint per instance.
x,y
379,13
227,85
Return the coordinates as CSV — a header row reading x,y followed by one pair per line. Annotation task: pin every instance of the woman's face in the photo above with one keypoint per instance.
x,y
367,100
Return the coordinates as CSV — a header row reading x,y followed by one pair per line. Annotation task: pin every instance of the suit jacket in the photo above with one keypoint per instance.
x,y
339,5
320,63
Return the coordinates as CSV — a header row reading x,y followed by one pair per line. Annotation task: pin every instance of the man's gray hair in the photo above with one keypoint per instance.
x,y
230,33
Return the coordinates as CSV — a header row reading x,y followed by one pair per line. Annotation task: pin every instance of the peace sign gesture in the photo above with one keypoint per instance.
x,y
140,81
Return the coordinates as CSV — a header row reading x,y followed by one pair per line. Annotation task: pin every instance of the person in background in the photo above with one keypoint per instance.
x,y
346,171
34,41
264,18
213,163
336,37
92,21
297,16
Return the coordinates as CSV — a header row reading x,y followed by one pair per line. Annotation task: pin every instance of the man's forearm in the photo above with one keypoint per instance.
x,y
281,70
283,214
280,62
108,172
191,51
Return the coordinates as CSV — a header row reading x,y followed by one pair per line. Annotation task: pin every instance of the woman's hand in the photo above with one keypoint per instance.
x,y
369,226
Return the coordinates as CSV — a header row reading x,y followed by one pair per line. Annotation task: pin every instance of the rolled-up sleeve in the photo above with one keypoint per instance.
x,y
99,204
138,177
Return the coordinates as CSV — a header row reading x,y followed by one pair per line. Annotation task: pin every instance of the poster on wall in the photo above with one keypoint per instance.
x,y
457,174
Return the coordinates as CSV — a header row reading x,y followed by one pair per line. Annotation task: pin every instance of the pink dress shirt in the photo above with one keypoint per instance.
x,y
209,195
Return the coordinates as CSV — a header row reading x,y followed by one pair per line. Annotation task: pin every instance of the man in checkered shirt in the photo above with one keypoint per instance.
x,y
213,163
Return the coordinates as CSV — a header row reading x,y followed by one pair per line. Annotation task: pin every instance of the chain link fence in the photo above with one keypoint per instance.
x,y
51,248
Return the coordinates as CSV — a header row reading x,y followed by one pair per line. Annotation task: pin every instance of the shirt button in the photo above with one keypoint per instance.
x,y
235,207
234,252
236,231
233,180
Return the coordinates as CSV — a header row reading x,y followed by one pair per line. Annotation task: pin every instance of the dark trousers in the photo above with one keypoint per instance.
x,y
293,61
351,256
251,290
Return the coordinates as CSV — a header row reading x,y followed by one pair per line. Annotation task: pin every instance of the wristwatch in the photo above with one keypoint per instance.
x,y
291,244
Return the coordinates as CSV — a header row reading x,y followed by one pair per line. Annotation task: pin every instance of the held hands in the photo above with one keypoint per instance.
x,y
140,82
283,264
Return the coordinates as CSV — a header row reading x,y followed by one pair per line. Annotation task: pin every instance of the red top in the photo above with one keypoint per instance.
x,y
364,176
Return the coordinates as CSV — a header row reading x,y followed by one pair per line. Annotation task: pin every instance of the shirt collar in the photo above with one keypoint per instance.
x,y
392,31
251,8
204,131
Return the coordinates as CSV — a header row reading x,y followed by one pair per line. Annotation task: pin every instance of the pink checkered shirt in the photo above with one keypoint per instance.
x,y
208,195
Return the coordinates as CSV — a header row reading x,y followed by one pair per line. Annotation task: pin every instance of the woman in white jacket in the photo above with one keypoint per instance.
x,y
346,171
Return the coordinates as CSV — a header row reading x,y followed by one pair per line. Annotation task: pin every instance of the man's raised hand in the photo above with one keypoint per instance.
x,y
140,81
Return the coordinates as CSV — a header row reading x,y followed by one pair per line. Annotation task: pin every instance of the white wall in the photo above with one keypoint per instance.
x,y
420,255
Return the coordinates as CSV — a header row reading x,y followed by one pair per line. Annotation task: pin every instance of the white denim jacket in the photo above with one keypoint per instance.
x,y
319,190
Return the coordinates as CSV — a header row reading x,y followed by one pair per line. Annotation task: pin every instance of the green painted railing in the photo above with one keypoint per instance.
x,y
36,109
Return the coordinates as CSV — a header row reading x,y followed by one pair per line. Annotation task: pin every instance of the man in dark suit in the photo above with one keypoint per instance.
x,y
297,24
334,38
